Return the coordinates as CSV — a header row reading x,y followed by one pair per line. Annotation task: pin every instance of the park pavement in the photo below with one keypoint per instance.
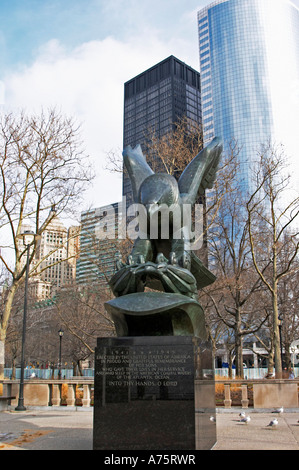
x,y
57,429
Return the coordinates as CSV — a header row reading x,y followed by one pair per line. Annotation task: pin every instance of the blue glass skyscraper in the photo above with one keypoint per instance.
x,y
249,64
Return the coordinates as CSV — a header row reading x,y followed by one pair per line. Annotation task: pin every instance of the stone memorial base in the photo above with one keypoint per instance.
x,y
154,393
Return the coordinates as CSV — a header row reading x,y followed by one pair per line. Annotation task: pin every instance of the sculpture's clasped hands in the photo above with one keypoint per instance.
x,y
137,274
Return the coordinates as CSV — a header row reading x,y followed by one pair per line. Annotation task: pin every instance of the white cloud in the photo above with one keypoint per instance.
x,y
88,83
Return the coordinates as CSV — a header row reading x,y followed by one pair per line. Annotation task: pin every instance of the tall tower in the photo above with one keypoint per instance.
x,y
156,99
99,244
249,64
56,257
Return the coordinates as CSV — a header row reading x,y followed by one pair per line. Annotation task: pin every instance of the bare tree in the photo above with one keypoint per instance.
x,y
288,302
273,209
173,151
236,295
42,165
80,310
169,153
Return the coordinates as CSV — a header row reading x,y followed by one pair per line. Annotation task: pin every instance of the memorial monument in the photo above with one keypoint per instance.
x,y
154,383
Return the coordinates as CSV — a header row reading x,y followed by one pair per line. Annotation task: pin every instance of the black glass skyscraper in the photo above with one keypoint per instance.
x,y
155,100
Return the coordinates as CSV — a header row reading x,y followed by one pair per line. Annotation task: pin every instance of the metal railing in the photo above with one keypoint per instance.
x,y
250,373
47,374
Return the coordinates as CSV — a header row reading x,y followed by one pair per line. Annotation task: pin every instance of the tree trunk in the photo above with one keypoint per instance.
x,y
13,372
2,359
287,356
230,364
4,325
80,371
239,353
239,362
271,361
276,337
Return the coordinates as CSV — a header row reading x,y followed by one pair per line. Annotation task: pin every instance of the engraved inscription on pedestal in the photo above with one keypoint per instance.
x,y
146,373
144,393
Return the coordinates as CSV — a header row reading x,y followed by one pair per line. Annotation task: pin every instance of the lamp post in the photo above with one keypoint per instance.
x,y
28,238
60,332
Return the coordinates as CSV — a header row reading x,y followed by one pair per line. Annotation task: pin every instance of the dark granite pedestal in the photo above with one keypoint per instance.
x,y
154,393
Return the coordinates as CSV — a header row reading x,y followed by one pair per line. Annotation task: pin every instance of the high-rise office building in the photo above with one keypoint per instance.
x,y
99,244
155,100
55,258
57,250
249,66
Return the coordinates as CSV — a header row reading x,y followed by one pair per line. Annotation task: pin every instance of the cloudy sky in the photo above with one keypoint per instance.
x,y
77,54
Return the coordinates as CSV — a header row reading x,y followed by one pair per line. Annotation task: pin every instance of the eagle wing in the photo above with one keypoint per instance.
x,y
200,174
137,168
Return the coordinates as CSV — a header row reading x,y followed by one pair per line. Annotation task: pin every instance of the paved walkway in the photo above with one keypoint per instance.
x,y
72,430
46,430
257,435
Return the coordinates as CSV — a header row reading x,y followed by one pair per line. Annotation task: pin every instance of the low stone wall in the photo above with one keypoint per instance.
x,y
4,403
279,393
48,392
267,393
